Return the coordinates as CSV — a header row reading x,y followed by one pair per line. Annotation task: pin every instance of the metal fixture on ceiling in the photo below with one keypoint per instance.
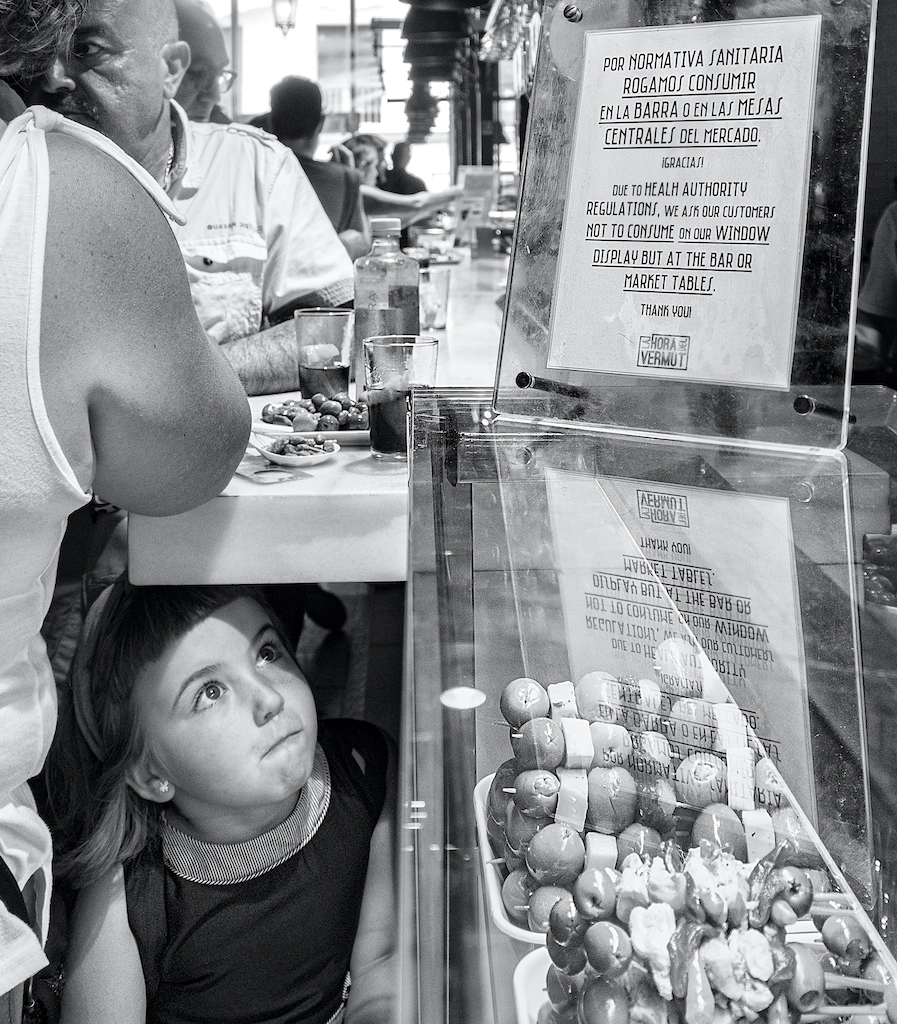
x,y
285,14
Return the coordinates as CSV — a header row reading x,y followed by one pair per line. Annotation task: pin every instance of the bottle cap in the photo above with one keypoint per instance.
x,y
385,225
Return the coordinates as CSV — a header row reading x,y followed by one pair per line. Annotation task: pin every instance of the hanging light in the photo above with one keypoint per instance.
x,y
285,14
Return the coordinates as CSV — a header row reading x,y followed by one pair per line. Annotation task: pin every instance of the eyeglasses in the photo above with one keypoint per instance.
x,y
223,79
226,79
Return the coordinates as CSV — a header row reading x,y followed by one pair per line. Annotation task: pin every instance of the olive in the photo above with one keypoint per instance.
x,y
782,913
496,832
875,970
844,936
540,904
568,959
304,421
561,988
536,792
513,858
798,889
515,893
356,420
603,1001
608,948
638,839
520,828
806,989
565,923
503,779
595,894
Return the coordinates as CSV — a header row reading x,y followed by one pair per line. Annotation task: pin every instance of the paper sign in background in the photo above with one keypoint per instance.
x,y
686,204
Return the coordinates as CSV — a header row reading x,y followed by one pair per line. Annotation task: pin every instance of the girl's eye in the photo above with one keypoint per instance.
x,y
209,694
269,652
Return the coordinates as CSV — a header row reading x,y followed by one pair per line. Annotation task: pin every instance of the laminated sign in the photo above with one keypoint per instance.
x,y
686,206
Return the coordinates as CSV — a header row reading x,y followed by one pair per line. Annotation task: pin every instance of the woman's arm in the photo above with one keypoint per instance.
x,y
144,406
409,209
104,979
374,966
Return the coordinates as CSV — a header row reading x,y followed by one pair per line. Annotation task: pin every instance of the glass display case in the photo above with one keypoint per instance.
x,y
707,632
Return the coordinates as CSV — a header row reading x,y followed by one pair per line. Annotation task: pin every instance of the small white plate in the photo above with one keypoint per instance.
x,y
263,446
530,990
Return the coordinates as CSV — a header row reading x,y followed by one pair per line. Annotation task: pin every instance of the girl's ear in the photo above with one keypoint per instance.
x,y
146,782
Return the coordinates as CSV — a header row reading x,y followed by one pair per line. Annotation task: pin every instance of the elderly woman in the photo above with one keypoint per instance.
x,y
109,384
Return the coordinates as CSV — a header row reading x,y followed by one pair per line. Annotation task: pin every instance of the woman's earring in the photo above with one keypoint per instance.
x,y
164,786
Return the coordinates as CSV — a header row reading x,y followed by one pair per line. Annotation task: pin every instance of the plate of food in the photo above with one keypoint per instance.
x,y
343,438
446,258
341,419
294,449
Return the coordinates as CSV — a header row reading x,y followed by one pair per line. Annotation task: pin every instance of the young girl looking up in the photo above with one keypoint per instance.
x,y
233,856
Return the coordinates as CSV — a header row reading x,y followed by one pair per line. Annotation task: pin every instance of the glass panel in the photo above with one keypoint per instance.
x,y
692,352
548,553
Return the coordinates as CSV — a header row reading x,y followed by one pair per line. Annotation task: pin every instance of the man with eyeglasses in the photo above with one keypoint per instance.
x,y
256,240
208,75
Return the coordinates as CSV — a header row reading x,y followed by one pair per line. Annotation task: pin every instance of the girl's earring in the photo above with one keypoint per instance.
x,y
164,786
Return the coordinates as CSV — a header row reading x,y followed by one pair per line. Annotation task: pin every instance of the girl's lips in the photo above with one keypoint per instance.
x,y
283,739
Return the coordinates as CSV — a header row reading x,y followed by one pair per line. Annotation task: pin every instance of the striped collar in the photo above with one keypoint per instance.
x,y
229,863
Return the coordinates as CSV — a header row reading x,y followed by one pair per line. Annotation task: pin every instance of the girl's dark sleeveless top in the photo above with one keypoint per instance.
x,y
274,948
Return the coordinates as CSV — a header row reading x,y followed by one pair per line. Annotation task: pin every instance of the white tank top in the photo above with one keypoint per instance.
x,y
38,491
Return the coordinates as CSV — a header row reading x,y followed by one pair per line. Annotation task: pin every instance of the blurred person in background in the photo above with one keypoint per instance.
x,y
109,385
296,118
256,240
875,341
397,178
208,75
365,154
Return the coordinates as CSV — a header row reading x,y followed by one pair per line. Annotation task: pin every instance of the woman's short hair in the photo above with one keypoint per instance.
x,y
33,31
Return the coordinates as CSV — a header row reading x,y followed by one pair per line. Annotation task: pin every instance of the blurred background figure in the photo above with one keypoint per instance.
x,y
208,75
366,153
875,341
397,178
296,118
255,239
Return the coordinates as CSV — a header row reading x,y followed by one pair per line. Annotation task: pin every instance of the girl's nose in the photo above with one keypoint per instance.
x,y
268,703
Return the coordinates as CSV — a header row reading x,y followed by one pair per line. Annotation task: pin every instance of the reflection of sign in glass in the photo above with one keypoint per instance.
x,y
639,563
479,192
686,206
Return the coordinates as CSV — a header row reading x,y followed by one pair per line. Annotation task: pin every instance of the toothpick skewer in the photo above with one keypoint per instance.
x,y
820,910
866,1009
843,981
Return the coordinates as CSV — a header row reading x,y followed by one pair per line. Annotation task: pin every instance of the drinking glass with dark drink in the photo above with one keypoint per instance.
x,y
393,365
323,341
